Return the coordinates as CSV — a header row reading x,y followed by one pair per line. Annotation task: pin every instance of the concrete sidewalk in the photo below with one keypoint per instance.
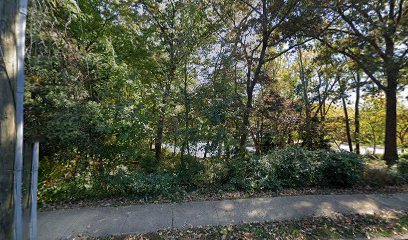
x,y
66,224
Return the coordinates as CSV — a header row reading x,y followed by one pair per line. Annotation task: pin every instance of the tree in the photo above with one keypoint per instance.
x,y
343,97
357,80
373,34
276,116
85,97
8,78
179,33
317,90
262,31
218,101
278,119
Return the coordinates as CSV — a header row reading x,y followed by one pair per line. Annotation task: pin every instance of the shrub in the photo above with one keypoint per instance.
x,y
340,169
402,167
295,167
240,174
63,190
217,170
404,156
213,172
380,177
292,167
289,167
119,185
148,162
141,185
188,171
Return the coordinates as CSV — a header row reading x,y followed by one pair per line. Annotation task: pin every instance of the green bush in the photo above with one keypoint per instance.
x,y
216,172
295,167
404,156
119,185
240,173
292,167
188,171
148,162
380,177
340,169
402,167
140,184
63,190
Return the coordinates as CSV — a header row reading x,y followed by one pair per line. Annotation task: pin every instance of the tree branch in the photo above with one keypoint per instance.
x,y
287,50
357,60
359,34
252,7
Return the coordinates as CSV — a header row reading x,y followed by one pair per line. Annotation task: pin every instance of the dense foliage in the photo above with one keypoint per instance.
x,y
147,98
292,167
403,167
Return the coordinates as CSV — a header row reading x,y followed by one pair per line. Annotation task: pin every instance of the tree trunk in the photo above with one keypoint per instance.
x,y
307,138
206,149
357,115
347,121
186,119
256,138
250,84
8,78
392,71
247,110
160,123
227,152
151,144
257,141
261,134
219,149
374,138
174,145
245,122
391,153
159,137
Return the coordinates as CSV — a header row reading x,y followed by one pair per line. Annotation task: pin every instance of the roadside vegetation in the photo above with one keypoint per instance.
x,y
163,99
292,168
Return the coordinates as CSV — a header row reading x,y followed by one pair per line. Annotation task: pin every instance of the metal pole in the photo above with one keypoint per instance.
x,y
18,166
34,184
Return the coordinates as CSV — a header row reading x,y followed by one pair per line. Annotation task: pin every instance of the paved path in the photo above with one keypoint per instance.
x,y
66,224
